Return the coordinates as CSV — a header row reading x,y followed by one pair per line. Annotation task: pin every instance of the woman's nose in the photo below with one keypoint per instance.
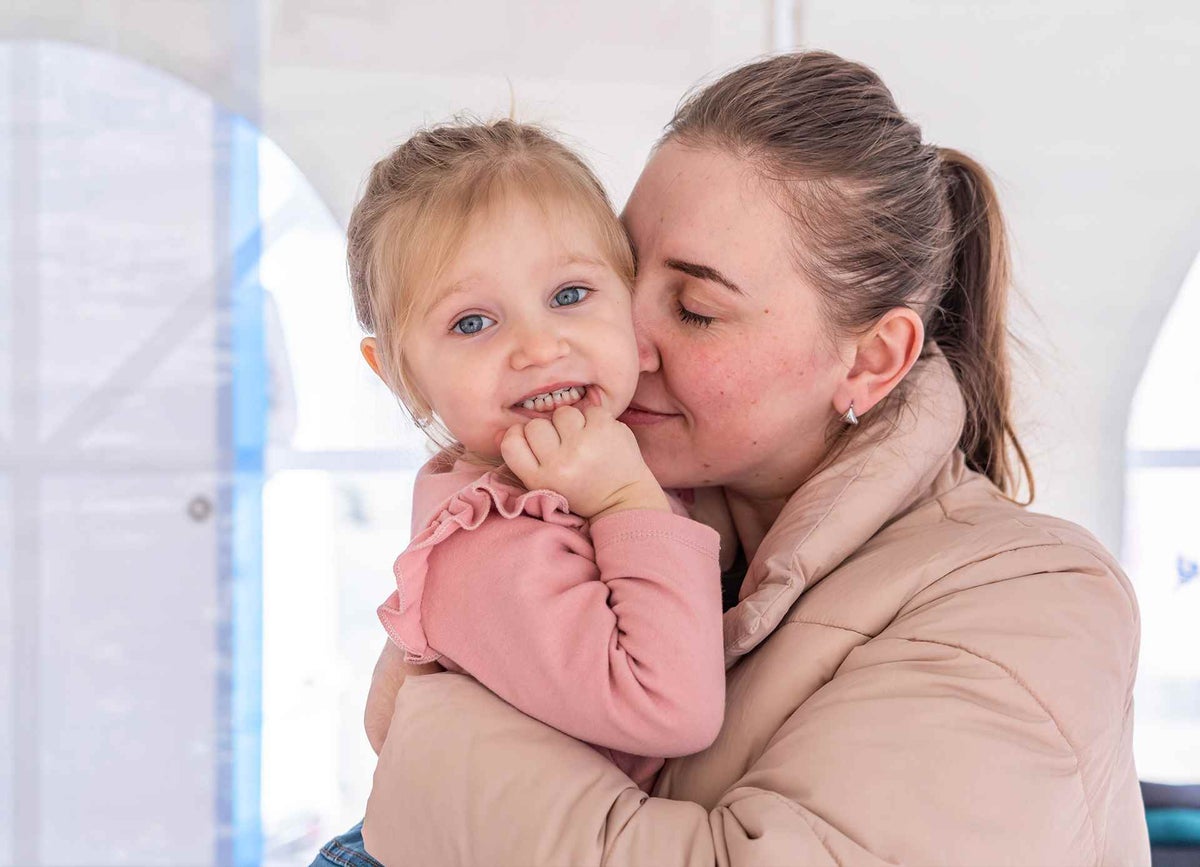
x,y
538,347
644,329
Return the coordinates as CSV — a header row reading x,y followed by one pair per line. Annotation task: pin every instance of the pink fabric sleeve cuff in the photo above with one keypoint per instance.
x,y
637,525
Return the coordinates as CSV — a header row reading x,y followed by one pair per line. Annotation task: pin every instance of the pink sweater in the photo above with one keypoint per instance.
x,y
610,632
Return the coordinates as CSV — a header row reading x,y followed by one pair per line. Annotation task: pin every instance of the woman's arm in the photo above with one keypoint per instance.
x,y
386,680
916,752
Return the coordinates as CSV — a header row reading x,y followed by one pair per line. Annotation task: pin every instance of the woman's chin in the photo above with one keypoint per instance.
x,y
668,464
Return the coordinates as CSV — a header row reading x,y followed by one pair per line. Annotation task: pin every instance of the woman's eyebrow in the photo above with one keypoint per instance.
x,y
703,272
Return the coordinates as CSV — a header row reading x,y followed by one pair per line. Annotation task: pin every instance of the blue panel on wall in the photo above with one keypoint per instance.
x,y
244,433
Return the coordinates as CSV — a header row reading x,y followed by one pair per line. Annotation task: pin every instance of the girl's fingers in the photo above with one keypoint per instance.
x,y
517,454
597,415
542,438
567,421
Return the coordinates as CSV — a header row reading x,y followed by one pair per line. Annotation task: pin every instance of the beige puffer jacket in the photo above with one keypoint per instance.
x,y
921,672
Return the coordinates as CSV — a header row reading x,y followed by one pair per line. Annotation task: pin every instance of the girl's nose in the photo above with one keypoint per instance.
x,y
538,347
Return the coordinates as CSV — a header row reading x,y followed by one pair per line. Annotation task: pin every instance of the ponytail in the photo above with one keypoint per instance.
x,y
970,324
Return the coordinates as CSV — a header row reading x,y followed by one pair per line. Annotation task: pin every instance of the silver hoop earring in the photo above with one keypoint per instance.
x,y
850,418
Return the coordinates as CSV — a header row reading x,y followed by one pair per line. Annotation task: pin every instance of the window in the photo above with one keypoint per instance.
x,y
203,487
1162,545
340,464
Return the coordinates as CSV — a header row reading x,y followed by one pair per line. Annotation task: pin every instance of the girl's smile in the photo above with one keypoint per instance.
x,y
544,401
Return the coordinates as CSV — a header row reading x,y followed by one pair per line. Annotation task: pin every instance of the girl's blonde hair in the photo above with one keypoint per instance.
x,y
409,224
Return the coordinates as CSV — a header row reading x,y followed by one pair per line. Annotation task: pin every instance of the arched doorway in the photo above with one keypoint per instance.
x,y
1161,547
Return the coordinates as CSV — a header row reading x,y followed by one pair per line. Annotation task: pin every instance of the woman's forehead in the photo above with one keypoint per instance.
x,y
709,206
698,189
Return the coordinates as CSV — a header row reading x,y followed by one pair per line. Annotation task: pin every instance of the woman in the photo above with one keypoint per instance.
x,y
920,670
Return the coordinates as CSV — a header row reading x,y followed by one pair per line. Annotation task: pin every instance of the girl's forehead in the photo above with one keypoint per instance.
x,y
519,234
556,210
527,227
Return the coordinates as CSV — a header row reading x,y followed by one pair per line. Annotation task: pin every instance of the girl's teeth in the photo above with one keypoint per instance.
x,y
563,396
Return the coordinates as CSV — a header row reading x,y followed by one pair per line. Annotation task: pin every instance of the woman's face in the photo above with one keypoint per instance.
x,y
738,373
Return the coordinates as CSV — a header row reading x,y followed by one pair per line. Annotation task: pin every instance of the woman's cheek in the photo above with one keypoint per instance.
x,y
724,374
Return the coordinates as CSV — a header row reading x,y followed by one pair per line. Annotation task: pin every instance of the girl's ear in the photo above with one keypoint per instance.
x,y
370,351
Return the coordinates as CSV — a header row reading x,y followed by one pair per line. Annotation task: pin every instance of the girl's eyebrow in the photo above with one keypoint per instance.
x,y
581,259
703,272
456,289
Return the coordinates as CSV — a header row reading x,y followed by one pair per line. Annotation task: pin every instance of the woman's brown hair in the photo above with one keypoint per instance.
x,y
882,220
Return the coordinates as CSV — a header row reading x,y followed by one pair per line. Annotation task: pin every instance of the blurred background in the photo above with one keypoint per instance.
x,y
202,488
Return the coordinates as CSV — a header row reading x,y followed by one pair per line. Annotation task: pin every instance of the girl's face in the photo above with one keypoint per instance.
x,y
530,317
738,375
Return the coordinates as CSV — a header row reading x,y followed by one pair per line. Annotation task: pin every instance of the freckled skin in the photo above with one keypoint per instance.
x,y
751,395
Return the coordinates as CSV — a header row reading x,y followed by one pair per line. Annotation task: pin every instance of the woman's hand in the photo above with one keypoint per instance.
x,y
386,680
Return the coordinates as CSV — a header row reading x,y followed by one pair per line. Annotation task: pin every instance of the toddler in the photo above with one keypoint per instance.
x,y
546,561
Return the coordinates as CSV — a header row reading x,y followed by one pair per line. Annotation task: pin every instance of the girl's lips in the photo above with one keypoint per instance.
x,y
636,415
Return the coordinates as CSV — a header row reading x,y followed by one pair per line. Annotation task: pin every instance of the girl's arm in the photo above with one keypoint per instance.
x,y
615,639
617,642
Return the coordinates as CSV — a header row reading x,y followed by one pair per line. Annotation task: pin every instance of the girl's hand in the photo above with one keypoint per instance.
x,y
386,680
589,457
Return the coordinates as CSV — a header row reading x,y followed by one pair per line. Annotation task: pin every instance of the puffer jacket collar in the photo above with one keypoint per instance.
x,y
889,466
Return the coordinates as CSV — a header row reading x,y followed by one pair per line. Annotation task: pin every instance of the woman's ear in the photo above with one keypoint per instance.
x,y
370,351
883,356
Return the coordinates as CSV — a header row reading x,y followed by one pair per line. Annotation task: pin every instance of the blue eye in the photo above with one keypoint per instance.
x,y
570,295
472,324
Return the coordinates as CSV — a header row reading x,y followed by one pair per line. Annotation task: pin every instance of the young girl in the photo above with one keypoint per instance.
x,y
546,561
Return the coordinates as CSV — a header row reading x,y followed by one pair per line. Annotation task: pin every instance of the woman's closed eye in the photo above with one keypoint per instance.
x,y
569,295
694,319
472,323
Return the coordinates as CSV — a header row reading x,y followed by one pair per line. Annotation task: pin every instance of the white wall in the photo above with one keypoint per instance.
x,y
1083,110
336,84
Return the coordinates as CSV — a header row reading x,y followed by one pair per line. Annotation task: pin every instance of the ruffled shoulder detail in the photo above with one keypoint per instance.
x,y
467,509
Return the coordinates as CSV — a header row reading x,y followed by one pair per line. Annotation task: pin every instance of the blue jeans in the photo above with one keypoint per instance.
x,y
346,851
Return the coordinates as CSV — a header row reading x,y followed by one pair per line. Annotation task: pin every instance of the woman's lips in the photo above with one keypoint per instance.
x,y
637,415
